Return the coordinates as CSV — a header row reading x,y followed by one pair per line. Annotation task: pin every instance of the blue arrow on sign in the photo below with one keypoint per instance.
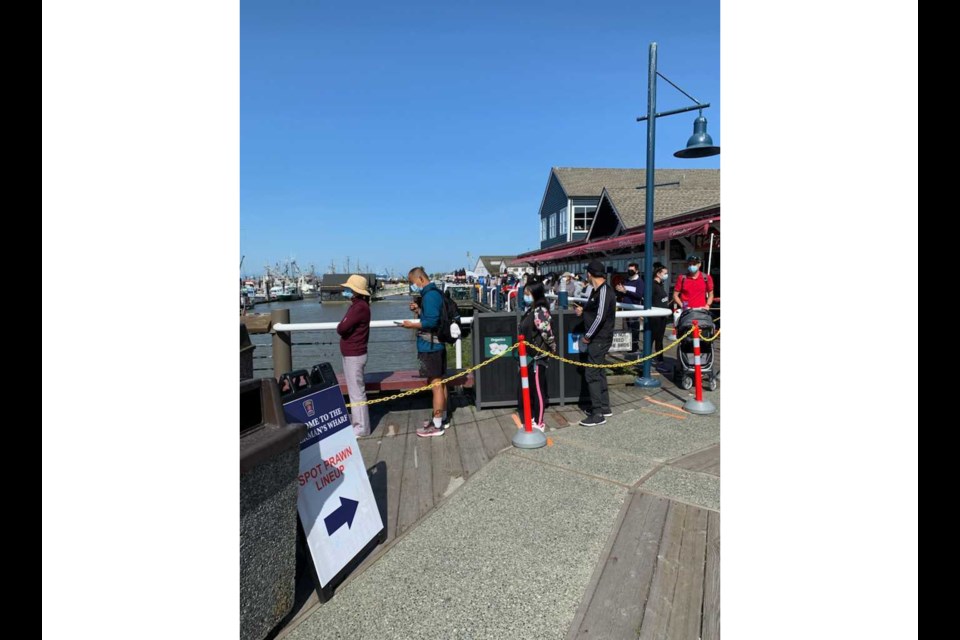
x,y
342,515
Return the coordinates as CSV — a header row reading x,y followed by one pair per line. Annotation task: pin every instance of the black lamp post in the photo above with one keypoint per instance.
x,y
700,145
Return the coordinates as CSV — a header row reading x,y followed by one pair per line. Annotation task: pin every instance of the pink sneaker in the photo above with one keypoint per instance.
x,y
429,432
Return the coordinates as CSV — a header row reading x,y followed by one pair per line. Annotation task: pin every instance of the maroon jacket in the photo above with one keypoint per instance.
x,y
354,329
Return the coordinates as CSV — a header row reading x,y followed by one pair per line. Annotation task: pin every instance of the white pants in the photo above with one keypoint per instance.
x,y
356,388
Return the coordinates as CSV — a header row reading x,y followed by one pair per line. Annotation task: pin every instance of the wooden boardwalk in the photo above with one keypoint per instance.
x,y
659,576
410,475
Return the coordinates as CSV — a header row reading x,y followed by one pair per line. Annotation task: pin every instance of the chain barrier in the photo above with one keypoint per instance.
x,y
549,354
410,392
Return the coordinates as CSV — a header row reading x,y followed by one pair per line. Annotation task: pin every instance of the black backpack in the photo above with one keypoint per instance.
x,y
449,315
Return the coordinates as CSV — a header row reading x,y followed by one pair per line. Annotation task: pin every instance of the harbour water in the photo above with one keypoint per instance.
x,y
389,349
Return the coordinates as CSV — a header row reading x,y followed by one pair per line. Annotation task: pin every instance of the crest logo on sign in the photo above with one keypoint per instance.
x,y
308,407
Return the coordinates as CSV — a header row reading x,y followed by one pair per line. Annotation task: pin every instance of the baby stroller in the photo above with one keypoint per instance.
x,y
684,372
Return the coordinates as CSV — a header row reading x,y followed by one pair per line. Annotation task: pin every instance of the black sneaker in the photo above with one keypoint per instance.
x,y
607,413
592,421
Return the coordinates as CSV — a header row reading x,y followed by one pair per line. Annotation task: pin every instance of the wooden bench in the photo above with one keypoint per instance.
x,y
402,381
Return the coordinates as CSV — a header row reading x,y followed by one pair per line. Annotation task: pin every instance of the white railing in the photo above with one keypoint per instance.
x,y
634,312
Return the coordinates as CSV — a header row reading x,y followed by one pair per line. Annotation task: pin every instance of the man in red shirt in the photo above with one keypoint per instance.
x,y
694,290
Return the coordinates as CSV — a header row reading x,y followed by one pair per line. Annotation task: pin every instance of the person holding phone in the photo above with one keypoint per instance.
x,y
354,331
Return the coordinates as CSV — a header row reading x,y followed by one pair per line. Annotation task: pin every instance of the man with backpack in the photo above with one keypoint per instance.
x,y
433,334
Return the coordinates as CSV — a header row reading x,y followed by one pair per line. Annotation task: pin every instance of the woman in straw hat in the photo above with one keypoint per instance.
x,y
354,332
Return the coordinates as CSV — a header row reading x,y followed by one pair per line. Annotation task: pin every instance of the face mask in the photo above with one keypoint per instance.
x,y
693,268
415,288
632,272
527,299
347,293
664,276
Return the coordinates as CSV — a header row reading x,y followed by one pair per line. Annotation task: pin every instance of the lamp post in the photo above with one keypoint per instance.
x,y
700,145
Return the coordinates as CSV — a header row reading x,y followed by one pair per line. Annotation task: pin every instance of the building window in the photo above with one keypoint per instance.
x,y
562,213
543,229
583,218
553,225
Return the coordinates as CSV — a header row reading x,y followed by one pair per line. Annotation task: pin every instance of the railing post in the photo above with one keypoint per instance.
x,y
459,350
282,353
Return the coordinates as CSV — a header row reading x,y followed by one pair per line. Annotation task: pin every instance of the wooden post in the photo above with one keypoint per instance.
x,y
282,353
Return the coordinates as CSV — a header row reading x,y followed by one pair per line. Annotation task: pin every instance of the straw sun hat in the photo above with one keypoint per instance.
x,y
358,284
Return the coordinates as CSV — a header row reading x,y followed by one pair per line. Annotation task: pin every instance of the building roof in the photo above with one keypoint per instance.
x,y
669,201
493,263
585,182
338,279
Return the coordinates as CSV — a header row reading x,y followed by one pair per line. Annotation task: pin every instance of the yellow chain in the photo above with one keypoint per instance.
x,y
616,365
410,392
549,354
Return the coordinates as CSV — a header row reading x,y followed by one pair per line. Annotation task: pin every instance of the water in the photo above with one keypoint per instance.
x,y
389,349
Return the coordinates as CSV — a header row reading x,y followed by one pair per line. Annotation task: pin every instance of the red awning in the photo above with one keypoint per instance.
x,y
613,244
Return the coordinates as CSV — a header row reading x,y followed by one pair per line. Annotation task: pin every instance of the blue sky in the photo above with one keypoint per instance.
x,y
406,133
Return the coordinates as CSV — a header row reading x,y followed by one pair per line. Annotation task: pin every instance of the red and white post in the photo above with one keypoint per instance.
x,y
528,437
698,405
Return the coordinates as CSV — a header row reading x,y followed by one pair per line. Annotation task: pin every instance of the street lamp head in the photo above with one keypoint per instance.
x,y
700,144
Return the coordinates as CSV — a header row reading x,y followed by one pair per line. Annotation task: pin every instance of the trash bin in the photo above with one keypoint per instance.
x,y
246,353
269,464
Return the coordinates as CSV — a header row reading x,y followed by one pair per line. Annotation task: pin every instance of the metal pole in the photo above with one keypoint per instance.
x,y
710,256
282,354
646,380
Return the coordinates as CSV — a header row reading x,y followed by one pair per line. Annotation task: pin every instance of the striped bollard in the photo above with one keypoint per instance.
x,y
528,437
698,405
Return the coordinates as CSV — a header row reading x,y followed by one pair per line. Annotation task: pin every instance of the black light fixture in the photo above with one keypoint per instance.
x,y
700,144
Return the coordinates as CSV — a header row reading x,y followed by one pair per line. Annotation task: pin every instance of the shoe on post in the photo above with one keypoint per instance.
x,y
593,421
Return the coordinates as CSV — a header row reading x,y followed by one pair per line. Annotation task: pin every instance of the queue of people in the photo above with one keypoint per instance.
x,y
692,290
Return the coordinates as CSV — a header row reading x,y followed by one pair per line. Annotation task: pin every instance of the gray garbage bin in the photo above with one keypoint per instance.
x,y
269,464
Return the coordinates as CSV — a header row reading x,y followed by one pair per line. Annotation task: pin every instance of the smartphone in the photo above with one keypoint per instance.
x,y
576,304
399,323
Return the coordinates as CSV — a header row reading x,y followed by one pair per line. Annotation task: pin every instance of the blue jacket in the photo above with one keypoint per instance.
x,y
431,301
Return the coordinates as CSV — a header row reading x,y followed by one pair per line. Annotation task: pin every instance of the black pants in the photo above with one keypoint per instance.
x,y
635,340
537,372
658,327
597,378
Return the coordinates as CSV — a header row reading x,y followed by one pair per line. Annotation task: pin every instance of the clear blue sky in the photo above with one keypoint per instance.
x,y
406,133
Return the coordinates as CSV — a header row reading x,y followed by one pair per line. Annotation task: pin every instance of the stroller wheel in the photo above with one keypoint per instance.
x,y
713,384
686,383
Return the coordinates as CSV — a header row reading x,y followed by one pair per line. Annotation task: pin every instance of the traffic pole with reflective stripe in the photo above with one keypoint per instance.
x,y
528,437
698,405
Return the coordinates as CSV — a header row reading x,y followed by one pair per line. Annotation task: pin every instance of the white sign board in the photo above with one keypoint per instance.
x,y
334,498
622,341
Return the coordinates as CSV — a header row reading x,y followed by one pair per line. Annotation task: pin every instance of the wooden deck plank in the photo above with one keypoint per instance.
x,y
492,436
423,461
472,454
409,511
508,427
705,461
688,594
369,451
656,615
447,468
710,628
617,603
391,454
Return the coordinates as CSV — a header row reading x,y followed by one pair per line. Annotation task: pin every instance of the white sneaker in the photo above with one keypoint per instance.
x,y
539,427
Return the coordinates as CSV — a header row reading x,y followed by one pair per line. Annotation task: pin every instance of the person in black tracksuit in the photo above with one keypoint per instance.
x,y
598,317
661,299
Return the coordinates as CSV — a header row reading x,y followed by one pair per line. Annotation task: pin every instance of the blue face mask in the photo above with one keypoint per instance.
x,y
347,293
527,299
693,268
415,288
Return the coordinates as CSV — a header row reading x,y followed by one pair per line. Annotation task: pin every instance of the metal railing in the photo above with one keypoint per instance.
x,y
282,330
